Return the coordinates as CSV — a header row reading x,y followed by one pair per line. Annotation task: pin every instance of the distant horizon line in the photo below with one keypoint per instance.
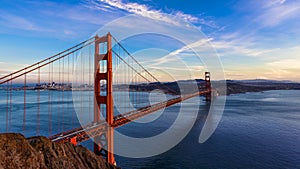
x,y
274,80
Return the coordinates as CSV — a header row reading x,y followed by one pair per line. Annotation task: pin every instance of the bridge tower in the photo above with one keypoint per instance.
x,y
103,143
208,86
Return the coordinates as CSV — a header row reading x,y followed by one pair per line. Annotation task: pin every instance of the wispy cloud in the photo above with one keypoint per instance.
x,y
285,58
182,52
6,67
146,11
266,20
14,21
281,64
187,17
234,48
196,20
277,12
271,3
228,45
55,19
134,8
285,64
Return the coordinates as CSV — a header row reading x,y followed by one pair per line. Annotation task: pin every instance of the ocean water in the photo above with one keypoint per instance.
x,y
53,116
257,130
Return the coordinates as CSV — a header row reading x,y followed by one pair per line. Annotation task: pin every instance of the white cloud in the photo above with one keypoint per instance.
x,y
270,3
7,68
186,17
227,48
59,19
241,44
286,58
134,8
146,11
281,64
182,52
286,64
275,12
13,21
281,1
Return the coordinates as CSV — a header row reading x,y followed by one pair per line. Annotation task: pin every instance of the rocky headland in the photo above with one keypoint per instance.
x,y
41,153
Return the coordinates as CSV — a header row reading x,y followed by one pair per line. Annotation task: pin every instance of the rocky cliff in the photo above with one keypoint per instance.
x,y
40,153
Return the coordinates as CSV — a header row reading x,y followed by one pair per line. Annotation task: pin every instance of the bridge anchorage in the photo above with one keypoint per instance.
x,y
107,53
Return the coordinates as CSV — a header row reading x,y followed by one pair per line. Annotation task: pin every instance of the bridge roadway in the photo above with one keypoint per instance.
x,y
91,130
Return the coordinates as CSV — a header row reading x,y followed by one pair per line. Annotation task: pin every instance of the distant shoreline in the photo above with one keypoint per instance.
x,y
236,88
233,86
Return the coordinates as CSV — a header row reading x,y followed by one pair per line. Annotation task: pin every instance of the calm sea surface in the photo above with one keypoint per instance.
x,y
257,130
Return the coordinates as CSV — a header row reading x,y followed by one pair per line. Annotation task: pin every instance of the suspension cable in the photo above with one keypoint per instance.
x,y
40,66
141,74
119,44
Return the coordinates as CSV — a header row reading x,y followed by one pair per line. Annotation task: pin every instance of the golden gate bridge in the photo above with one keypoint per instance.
x,y
106,69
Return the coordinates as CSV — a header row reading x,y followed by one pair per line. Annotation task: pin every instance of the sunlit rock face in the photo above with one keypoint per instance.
x,y
39,152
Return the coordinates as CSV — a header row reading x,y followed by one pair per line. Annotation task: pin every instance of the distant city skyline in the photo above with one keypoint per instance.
x,y
256,39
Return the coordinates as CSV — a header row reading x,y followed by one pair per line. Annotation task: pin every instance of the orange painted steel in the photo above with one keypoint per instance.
x,y
208,86
102,130
104,148
44,62
96,129
123,119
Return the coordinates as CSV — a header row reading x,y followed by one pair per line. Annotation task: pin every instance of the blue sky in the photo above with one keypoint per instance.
x,y
254,39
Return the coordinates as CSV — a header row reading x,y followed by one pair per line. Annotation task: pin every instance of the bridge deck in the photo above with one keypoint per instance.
x,y
94,129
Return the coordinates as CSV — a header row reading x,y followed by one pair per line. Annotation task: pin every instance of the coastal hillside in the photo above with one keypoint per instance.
x,y
232,86
41,153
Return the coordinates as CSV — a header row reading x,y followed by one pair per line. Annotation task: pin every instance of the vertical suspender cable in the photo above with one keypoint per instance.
x,y
51,94
48,86
59,98
128,83
62,93
10,105
82,84
24,112
7,98
68,86
38,104
90,93
73,57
